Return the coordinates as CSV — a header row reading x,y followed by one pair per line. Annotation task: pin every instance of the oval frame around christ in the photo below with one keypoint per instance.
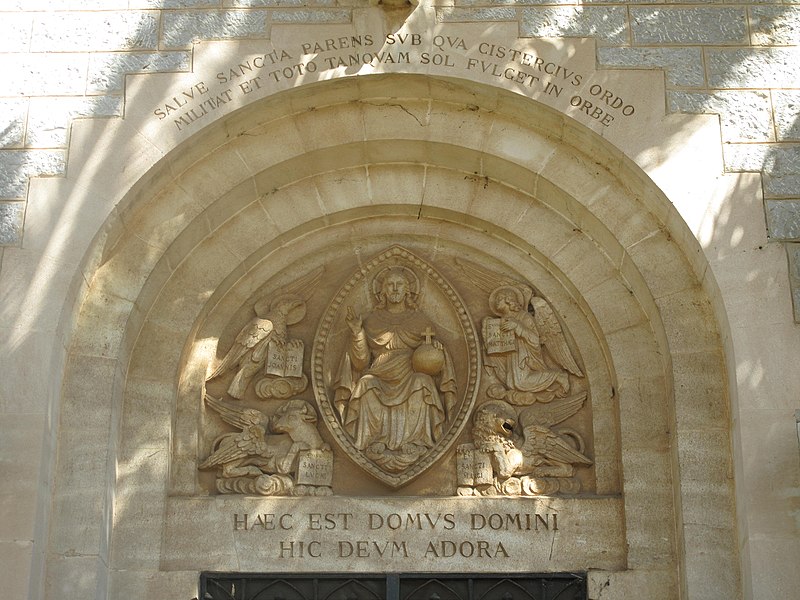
x,y
436,302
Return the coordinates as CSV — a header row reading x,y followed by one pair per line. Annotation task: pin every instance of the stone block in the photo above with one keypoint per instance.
x,y
276,3
704,456
88,388
345,184
752,67
86,31
173,3
107,70
769,443
180,29
16,557
16,166
49,118
74,576
40,5
13,113
745,116
606,23
20,457
794,277
582,261
397,184
775,25
780,165
147,414
43,74
688,317
12,215
683,66
700,400
622,585
247,231
461,15
28,355
138,522
634,353
614,305
645,414
783,219
710,562
126,584
15,32
774,567
696,25
311,16
786,107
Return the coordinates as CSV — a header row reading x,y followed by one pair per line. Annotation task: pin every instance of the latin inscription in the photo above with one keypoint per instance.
x,y
469,535
538,76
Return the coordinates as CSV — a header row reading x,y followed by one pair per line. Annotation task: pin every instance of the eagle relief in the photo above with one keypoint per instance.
x,y
404,376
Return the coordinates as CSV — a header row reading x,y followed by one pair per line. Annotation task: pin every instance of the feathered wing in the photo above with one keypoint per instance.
x,y
304,286
551,446
484,279
235,415
552,413
300,289
255,331
552,337
247,443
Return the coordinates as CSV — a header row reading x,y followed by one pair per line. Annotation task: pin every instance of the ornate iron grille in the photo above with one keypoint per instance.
x,y
241,586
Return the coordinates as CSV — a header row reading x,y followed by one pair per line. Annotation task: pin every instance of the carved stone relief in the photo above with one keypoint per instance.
x,y
403,382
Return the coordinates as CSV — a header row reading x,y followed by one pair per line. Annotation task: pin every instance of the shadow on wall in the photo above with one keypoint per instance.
x,y
24,158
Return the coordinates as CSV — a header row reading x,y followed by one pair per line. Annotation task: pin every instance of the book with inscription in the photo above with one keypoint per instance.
x,y
496,340
315,467
285,360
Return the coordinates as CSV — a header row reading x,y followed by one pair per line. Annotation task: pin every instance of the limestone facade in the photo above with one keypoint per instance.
x,y
222,179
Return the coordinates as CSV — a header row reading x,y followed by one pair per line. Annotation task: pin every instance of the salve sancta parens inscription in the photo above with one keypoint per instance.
x,y
542,75
393,534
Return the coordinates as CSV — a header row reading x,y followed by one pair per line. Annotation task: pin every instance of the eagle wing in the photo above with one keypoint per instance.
x,y
233,414
235,446
257,330
551,413
551,446
552,337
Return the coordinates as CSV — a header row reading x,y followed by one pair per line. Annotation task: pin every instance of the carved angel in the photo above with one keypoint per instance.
x,y
249,352
526,350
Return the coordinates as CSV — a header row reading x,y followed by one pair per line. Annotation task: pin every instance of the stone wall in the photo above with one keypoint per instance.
x,y
68,60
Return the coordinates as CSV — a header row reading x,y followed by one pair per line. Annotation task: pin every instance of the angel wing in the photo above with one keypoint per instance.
x,y
301,289
235,415
255,331
486,280
551,413
552,337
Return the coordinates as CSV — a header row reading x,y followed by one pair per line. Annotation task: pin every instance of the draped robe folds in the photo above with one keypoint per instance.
x,y
524,369
384,400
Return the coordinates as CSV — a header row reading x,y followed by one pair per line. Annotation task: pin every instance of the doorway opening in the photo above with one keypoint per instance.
x,y
393,586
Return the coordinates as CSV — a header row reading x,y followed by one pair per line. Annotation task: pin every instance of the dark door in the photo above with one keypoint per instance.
x,y
241,586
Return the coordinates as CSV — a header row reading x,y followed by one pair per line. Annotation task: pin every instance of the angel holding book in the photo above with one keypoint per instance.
x,y
526,350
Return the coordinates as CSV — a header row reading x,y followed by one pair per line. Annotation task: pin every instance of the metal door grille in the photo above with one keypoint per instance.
x,y
241,586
